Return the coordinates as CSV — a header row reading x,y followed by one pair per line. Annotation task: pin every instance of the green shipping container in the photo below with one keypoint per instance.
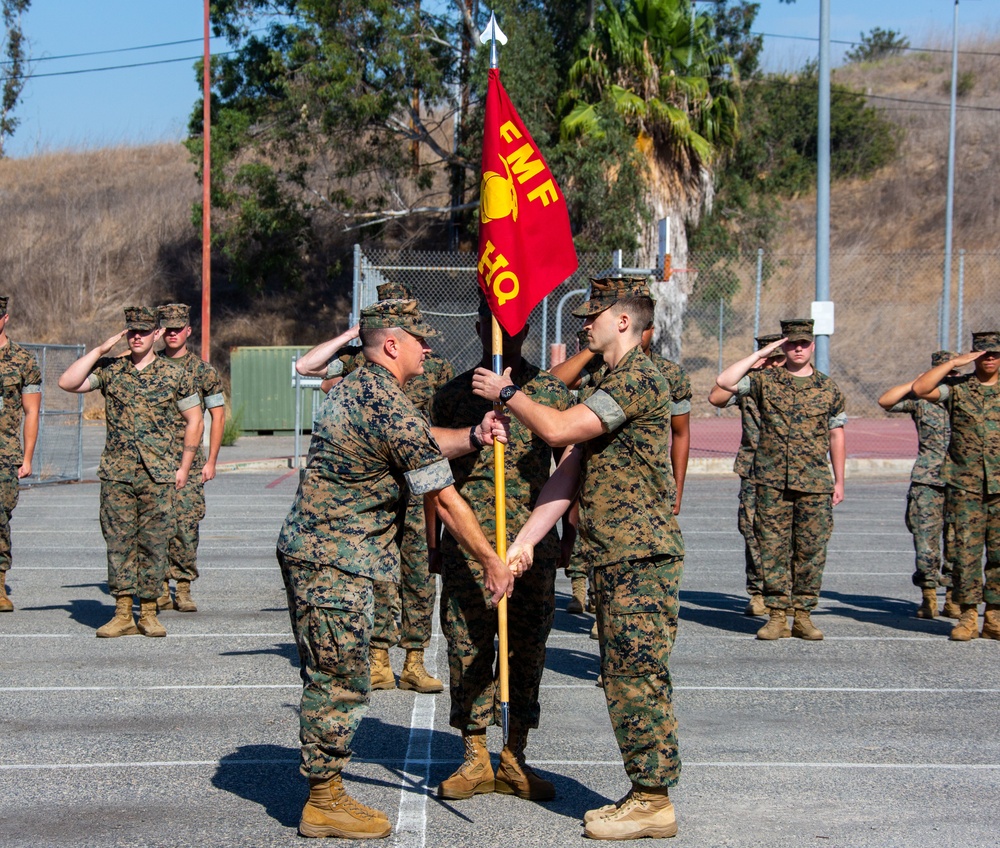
x,y
263,390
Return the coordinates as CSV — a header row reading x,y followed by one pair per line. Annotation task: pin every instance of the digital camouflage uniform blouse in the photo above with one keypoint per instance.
x,y
627,485
20,375
527,458
796,417
370,448
141,409
973,460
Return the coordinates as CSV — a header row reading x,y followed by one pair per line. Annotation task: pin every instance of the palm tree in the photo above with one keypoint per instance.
x,y
658,66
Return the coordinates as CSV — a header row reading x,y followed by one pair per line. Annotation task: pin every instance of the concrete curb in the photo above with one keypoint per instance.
x,y
889,469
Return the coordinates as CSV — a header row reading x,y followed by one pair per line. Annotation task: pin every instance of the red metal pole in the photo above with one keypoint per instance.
x,y
206,203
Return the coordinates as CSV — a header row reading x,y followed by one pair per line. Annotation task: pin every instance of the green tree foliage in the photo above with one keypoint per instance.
x,y
365,115
878,44
13,70
778,152
662,71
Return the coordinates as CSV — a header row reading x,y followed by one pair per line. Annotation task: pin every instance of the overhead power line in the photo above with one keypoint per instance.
x,y
858,44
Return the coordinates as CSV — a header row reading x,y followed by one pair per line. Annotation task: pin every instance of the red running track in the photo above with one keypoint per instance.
x,y
867,438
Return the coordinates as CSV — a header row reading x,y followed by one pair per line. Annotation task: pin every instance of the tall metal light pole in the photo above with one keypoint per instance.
x,y
822,310
944,331
206,200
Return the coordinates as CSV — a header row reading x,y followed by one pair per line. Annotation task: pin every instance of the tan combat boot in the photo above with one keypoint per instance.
x,y
968,624
991,622
590,815
645,812
594,632
950,608
149,624
163,602
756,606
416,677
183,602
475,775
776,627
330,811
515,776
579,600
928,607
123,624
5,604
803,628
380,669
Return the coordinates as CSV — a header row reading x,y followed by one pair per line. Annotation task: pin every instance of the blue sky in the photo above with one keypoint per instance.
x,y
153,103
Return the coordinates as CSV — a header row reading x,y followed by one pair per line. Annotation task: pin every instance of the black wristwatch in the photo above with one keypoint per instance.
x,y
507,392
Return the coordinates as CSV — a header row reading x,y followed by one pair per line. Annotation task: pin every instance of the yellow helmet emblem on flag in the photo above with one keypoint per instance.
x,y
497,195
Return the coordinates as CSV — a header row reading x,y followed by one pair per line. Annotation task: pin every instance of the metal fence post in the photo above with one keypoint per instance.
x,y
961,299
722,312
756,303
545,332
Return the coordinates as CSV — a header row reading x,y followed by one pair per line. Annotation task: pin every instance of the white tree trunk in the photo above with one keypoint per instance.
x,y
682,201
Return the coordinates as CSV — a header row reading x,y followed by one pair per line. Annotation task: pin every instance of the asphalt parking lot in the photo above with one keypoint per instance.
x,y
882,735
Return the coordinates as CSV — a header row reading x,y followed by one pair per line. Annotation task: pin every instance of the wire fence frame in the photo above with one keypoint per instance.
x,y
58,454
887,322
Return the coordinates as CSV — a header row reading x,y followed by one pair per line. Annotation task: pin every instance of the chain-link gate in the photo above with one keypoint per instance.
x,y
59,450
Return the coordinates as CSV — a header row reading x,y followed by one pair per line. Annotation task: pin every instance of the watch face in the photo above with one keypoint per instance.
x,y
507,392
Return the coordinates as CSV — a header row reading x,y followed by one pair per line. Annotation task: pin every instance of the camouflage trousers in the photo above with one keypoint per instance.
x,y
925,519
137,522
976,520
793,529
637,608
189,510
404,610
751,547
9,491
331,615
470,627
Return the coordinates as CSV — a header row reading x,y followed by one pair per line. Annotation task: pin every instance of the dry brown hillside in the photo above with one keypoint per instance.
x,y
902,208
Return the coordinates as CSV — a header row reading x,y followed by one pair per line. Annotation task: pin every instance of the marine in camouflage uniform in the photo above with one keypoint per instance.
x,y
802,415
370,449
749,435
925,499
593,371
142,466
189,503
19,404
971,472
629,536
403,610
468,625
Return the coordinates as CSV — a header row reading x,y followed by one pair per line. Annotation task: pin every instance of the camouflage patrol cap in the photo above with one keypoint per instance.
x,y
3,305
607,291
770,338
986,340
174,316
940,357
140,318
388,314
797,329
394,291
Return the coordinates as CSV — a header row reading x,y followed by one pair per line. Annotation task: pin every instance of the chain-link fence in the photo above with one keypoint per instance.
x,y
887,313
59,449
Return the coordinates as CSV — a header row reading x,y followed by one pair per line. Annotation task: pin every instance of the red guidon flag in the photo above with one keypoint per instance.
x,y
525,245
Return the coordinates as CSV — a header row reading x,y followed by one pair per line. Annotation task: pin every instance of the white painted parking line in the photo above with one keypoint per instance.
x,y
429,763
